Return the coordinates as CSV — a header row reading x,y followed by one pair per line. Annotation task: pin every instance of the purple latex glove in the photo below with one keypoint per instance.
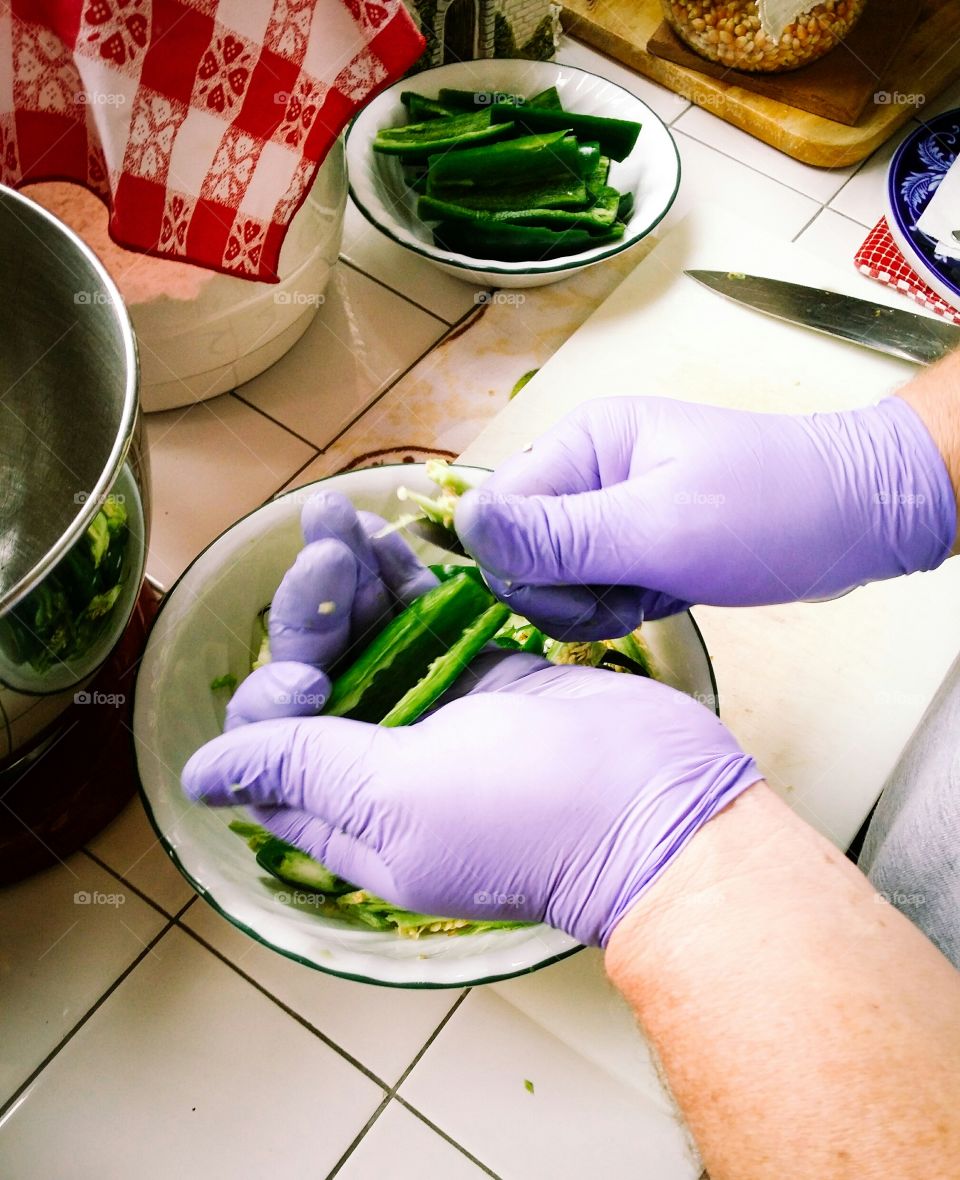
x,y
544,793
343,587
345,584
639,507
558,797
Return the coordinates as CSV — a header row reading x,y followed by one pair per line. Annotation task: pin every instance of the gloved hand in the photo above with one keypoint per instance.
x,y
640,507
544,793
558,797
343,587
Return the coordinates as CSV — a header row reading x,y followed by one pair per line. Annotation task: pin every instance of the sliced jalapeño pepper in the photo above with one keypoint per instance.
x,y
517,243
417,140
616,137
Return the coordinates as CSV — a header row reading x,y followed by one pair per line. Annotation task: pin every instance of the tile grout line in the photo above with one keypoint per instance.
x,y
98,1003
757,171
846,217
861,166
394,1094
301,1020
452,330
414,1111
183,909
439,1132
359,1137
386,1086
806,225
395,291
390,1091
276,422
300,470
856,172
318,450
679,115
448,328
129,884
443,1135
431,1038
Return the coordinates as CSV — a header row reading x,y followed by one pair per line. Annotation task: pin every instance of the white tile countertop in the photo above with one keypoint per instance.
x,y
145,1036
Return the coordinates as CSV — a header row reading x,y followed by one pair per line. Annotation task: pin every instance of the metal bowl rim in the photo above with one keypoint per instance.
x,y
128,416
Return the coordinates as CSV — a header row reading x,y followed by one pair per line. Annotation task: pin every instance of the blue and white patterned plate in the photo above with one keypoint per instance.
x,y
917,168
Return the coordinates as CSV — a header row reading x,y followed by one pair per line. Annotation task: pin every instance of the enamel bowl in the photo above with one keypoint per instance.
x,y
205,629
651,171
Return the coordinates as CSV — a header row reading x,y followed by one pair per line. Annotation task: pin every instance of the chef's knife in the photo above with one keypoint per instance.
x,y
874,325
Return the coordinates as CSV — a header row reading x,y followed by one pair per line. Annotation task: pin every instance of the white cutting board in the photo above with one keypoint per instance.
x,y
824,695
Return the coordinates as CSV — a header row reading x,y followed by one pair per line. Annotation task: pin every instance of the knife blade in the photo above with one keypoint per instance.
x,y
873,325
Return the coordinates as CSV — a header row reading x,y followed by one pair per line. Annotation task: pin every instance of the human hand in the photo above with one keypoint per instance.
x,y
558,796
345,584
639,507
366,579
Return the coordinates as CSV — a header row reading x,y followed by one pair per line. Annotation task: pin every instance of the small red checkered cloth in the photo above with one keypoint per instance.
x,y
881,259
200,123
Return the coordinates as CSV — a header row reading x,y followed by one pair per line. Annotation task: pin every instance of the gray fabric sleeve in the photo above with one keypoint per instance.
x,y
912,848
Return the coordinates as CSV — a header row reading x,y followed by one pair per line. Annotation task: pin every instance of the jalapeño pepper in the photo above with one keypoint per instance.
x,y
616,137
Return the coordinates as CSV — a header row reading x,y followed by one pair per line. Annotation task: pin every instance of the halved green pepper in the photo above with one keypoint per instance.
x,y
290,865
421,108
596,179
529,160
562,192
399,655
616,137
625,207
548,99
600,215
447,667
417,140
470,100
518,243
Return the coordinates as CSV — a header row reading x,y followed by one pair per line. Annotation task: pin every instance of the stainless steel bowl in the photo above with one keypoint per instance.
x,y
73,481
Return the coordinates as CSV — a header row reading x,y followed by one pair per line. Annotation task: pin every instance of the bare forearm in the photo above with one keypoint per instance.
x,y
806,1028
935,395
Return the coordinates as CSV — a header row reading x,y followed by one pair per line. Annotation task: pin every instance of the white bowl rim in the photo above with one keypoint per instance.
x,y
257,936
497,266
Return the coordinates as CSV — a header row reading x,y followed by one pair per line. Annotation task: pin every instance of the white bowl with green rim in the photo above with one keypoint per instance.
x,y
651,172
204,630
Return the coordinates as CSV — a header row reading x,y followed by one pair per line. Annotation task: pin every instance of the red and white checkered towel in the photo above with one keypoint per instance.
x,y
200,123
881,259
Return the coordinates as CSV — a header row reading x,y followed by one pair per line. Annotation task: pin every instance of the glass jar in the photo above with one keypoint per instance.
x,y
729,32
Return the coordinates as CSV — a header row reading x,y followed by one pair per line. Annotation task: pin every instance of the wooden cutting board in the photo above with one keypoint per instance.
x,y
927,62
825,695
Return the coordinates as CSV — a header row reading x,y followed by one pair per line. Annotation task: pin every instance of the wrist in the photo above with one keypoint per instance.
x,y
768,977
691,806
934,396
738,855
